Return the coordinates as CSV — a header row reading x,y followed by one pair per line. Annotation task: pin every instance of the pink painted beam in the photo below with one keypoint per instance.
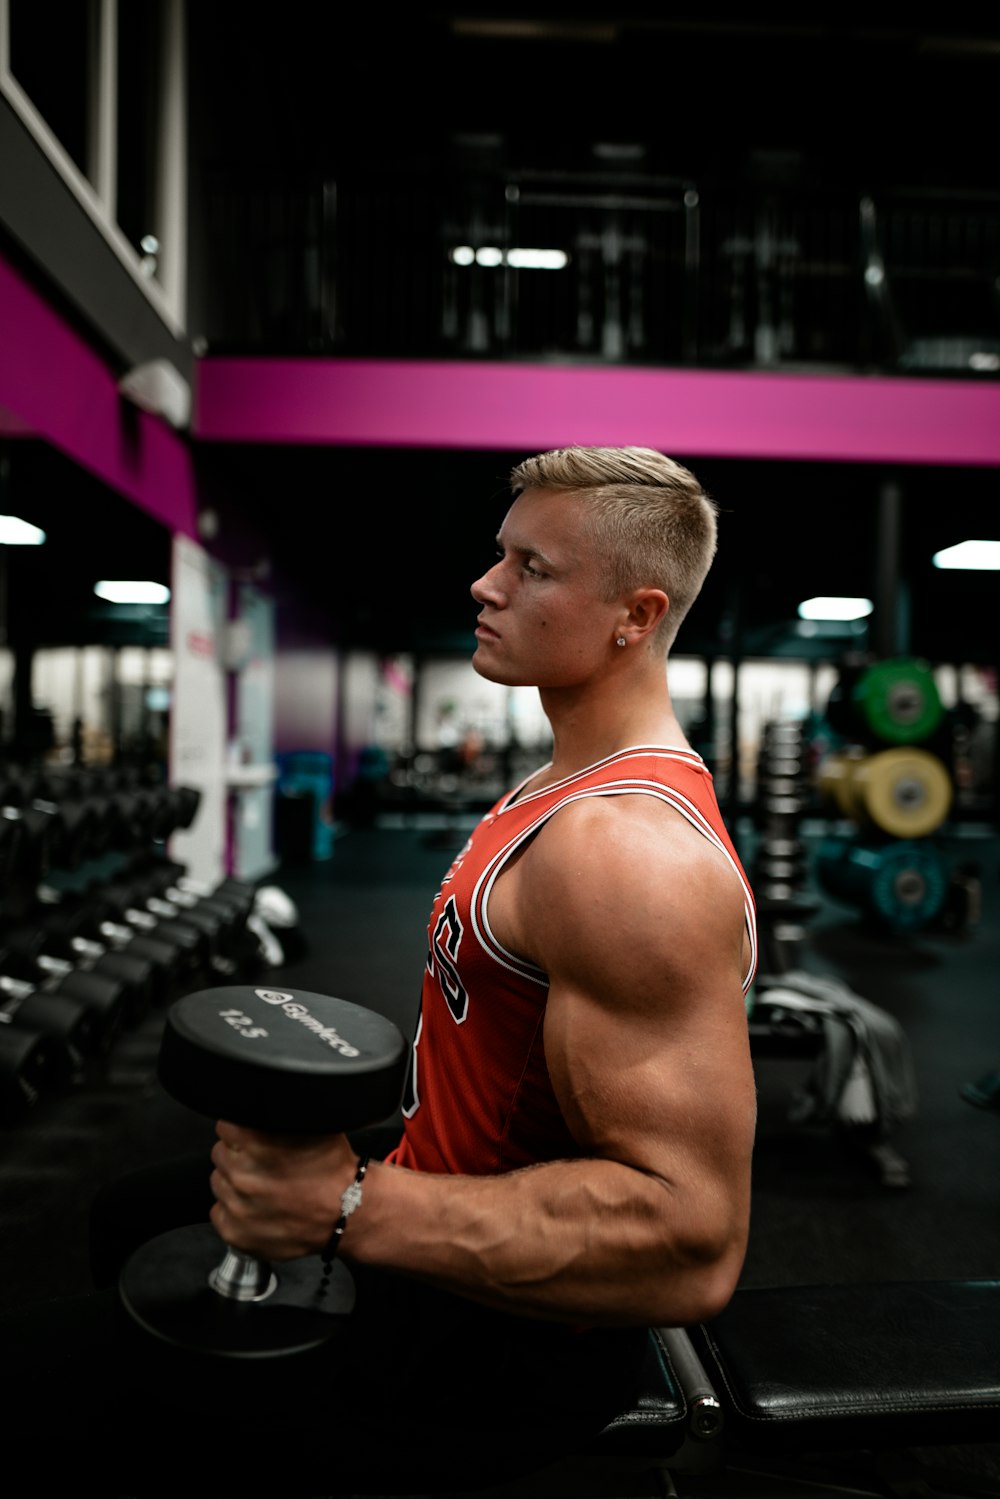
x,y
529,407
56,387
12,426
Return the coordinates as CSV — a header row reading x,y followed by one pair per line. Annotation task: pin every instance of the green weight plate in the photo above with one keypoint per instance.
x,y
898,700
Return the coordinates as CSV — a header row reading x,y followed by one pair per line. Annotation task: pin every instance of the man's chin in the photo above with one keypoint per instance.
x,y
492,671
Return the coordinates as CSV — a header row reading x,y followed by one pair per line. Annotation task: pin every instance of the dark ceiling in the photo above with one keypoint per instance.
x,y
385,542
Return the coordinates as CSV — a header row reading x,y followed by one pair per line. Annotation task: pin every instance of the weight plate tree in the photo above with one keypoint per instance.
x,y
284,1062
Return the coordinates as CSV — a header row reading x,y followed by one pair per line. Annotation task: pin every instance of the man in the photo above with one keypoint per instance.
x,y
580,1115
579,1128
575,1160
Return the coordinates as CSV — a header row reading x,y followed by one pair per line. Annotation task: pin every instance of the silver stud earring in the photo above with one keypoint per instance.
x,y
620,640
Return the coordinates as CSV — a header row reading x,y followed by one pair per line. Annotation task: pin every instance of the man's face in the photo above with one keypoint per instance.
x,y
544,620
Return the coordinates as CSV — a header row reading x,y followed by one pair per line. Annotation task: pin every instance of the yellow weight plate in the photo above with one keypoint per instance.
x,y
835,780
905,792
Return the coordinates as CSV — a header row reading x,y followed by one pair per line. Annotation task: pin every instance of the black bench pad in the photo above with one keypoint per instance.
x,y
889,1364
656,1424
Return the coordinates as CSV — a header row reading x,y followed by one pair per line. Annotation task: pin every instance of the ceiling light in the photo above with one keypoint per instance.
x,y
15,532
537,260
521,259
980,556
132,593
835,608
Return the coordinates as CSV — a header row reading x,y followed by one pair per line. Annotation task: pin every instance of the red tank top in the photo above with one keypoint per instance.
x,y
479,1099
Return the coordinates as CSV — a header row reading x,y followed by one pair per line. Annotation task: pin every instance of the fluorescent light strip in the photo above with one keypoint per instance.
x,y
518,259
974,556
835,608
15,532
132,593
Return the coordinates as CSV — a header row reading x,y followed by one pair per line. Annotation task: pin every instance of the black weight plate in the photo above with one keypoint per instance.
x,y
282,1061
165,1288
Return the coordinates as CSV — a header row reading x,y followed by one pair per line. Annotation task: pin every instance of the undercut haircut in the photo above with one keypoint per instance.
x,y
652,523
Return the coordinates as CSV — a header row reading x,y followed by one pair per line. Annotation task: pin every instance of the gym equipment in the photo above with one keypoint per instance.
x,y
895,701
29,951
779,873
902,885
34,1058
92,1009
81,925
115,904
283,1062
898,700
906,793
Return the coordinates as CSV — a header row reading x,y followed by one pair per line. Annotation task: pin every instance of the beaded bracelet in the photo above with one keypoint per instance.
x,y
350,1199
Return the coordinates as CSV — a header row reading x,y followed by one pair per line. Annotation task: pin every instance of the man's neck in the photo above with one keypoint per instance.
x,y
595,721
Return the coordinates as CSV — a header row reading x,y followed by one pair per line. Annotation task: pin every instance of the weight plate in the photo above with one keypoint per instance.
x,y
902,884
165,1288
282,1061
836,783
909,886
906,793
898,700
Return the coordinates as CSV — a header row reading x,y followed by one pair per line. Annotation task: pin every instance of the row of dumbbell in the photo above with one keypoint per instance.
x,y
50,822
82,970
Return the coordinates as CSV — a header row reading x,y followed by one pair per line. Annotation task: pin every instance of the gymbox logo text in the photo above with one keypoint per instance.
x,y
298,1011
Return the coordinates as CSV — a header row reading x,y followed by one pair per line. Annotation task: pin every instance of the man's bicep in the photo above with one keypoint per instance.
x,y
666,1088
640,926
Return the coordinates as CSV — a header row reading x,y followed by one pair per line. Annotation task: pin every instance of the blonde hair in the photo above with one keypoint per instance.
x,y
649,518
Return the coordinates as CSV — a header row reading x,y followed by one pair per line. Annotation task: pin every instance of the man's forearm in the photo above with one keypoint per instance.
x,y
577,1241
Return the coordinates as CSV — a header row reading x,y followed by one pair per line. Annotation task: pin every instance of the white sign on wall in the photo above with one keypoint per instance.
x,y
198,711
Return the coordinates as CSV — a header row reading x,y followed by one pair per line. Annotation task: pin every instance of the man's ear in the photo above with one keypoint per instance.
x,y
647,607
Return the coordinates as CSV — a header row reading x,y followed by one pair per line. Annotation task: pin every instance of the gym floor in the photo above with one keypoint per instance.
x,y
820,1214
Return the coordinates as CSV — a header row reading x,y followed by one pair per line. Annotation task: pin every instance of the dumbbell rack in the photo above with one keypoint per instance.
x,y
99,929
787,1018
779,873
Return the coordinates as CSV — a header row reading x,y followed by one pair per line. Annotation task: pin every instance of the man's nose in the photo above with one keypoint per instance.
x,y
487,589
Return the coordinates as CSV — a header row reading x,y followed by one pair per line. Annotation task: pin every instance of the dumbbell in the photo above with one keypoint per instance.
x,y
91,1009
34,1060
51,944
116,903
283,1062
221,914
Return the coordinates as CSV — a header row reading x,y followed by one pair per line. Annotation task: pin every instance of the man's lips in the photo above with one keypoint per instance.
x,y
485,632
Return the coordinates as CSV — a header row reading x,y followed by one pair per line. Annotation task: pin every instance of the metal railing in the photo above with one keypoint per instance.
x,y
641,269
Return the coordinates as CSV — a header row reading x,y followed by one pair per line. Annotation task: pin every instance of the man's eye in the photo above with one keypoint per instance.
x,y
533,572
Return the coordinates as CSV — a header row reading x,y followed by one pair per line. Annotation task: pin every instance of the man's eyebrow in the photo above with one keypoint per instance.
x,y
525,551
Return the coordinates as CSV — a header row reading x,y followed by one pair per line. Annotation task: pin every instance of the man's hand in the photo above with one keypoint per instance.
x,y
278,1196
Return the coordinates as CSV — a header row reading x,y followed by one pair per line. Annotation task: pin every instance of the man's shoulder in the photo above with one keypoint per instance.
x,y
632,835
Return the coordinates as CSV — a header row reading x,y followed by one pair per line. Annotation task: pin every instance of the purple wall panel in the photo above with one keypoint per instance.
x,y
56,386
527,407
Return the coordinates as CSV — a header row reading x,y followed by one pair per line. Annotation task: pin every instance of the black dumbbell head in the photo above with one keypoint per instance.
x,y
282,1061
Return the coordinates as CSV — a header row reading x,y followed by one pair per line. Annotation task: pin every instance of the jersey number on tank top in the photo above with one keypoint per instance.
x,y
442,955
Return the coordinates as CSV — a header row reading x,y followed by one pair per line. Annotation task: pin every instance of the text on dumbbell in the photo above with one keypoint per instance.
x,y
242,1023
297,1011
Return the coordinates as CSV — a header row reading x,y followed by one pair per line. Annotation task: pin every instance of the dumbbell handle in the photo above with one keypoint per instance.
x,y
243,1277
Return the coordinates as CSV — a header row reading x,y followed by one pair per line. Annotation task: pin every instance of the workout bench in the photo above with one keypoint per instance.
x,y
870,1389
